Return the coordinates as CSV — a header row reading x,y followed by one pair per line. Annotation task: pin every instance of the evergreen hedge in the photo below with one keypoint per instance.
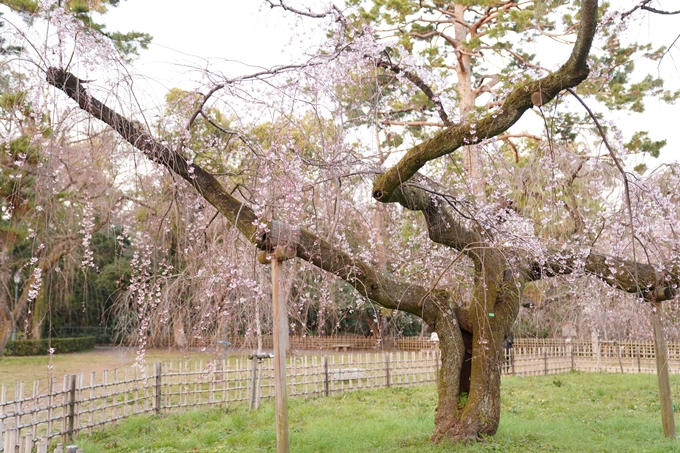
x,y
41,347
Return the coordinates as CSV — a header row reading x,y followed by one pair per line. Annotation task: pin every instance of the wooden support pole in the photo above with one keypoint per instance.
x,y
71,406
158,369
282,241
280,323
667,418
387,369
253,393
326,381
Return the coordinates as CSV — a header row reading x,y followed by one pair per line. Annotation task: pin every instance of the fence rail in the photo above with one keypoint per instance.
x,y
50,410
298,343
550,356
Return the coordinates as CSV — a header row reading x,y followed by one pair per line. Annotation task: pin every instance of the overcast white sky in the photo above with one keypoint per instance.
x,y
240,36
236,37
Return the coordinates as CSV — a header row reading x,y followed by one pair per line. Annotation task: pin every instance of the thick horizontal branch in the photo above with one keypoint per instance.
x,y
645,280
391,294
210,188
518,101
411,123
418,300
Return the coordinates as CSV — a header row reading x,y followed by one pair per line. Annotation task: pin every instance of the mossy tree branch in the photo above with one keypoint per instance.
x,y
522,98
421,301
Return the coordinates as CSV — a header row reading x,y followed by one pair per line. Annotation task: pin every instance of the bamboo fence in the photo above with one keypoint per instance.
x,y
52,410
354,342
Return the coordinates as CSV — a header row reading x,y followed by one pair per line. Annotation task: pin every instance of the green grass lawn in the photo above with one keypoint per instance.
x,y
574,412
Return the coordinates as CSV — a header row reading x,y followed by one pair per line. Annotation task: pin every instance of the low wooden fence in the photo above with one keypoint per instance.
x,y
57,410
52,410
550,356
330,343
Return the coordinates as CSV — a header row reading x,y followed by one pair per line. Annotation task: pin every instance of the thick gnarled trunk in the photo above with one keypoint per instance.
x,y
470,377
468,389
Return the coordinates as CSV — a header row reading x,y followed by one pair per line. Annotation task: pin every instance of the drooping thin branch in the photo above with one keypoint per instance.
x,y
667,51
626,188
256,75
441,274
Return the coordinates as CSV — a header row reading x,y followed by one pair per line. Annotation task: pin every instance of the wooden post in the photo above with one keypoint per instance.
x,y
545,360
18,396
71,406
667,418
326,382
42,445
280,315
26,444
281,241
618,351
158,369
637,348
253,393
387,369
10,441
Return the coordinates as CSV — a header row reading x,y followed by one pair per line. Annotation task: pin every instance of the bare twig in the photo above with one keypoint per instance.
x,y
618,166
417,81
644,4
